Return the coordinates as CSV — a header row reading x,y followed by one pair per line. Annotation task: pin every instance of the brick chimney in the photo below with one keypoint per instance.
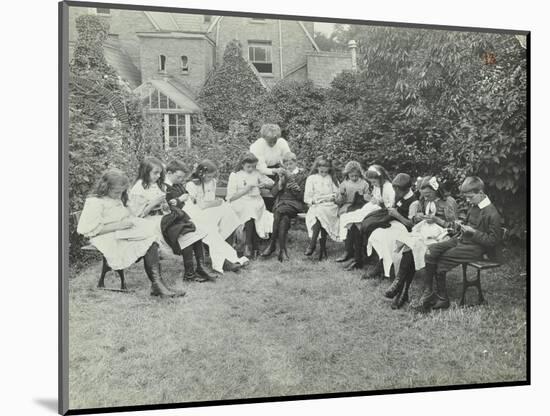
x,y
352,46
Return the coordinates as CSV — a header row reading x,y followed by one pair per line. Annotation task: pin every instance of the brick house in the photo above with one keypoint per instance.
x,y
167,57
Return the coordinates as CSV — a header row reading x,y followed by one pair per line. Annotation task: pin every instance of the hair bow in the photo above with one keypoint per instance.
x,y
433,183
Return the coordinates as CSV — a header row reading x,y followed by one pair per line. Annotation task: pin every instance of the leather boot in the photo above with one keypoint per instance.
x,y
407,263
188,266
427,298
314,236
348,254
323,245
270,249
152,269
249,231
231,267
201,269
284,226
442,298
403,297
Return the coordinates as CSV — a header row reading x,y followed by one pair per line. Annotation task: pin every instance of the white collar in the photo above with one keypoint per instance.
x,y
168,181
484,203
409,194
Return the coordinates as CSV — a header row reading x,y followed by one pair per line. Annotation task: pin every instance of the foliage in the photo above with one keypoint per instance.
x,y
231,89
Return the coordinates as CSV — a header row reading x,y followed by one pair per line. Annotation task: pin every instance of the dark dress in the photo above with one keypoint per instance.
x,y
289,202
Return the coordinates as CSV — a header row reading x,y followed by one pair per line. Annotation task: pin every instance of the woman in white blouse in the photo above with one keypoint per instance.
x,y
119,235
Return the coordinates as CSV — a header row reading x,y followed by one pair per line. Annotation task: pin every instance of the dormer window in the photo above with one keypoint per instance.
x,y
184,64
162,63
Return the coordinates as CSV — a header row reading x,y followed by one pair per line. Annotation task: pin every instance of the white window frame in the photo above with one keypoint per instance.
x,y
179,140
161,69
184,70
268,52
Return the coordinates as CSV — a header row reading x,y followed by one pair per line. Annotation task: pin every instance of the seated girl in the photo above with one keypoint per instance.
x,y
352,195
322,215
244,196
289,201
121,237
386,230
202,196
148,201
357,222
148,194
436,212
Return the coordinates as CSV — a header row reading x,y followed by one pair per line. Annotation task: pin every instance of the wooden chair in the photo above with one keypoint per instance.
x,y
105,268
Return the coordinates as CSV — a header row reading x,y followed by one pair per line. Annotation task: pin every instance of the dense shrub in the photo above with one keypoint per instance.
x,y
230,90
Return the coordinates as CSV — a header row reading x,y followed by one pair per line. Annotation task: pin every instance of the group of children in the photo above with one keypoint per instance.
x,y
412,227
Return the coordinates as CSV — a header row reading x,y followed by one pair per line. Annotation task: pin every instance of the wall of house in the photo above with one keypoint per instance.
x,y
322,67
198,51
294,44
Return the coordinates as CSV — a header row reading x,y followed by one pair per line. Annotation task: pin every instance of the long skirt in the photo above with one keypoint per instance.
x,y
327,214
384,241
123,248
223,216
220,250
355,217
421,236
253,207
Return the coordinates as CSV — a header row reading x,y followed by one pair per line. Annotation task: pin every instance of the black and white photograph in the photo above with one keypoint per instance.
x,y
274,207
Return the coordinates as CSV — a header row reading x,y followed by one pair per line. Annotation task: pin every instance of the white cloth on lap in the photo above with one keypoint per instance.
x,y
250,205
355,217
320,193
384,240
120,253
223,215
418,240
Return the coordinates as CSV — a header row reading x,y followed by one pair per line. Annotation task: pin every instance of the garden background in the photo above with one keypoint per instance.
x,y
424,102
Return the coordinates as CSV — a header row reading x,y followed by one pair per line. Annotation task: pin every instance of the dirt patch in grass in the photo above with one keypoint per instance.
x,y
301,327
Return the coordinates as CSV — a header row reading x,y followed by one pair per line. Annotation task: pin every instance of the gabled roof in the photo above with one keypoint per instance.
x,y
122,64
162,21
173,90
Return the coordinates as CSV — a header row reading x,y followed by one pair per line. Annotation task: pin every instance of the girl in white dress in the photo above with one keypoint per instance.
x,y
147,195
203,201
120,236
322,216
243,193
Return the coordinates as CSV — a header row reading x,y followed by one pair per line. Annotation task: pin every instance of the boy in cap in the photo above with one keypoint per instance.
x,y
480,234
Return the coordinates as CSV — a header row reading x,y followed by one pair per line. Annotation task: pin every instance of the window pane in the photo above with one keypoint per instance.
x,y
181,132
172,131
263,68
173,141
172,120
251,53
155,99
181,119
163,101
260,54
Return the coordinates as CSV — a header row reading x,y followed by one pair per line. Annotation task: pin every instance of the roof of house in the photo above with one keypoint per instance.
x,y
170,22
177,92
122,64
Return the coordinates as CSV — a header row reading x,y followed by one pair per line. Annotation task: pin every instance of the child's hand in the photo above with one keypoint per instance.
x,y
467,229
430,219
393,212
173,202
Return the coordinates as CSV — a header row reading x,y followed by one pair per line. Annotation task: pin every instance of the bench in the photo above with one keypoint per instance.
x,y
479,266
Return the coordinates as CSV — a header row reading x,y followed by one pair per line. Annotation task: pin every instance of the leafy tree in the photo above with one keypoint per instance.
x,y
231,89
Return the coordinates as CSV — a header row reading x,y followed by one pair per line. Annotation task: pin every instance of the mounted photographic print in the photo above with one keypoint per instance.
x,y
264,207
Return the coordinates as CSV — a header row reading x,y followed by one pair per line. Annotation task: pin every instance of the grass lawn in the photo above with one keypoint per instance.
x,y
283,329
